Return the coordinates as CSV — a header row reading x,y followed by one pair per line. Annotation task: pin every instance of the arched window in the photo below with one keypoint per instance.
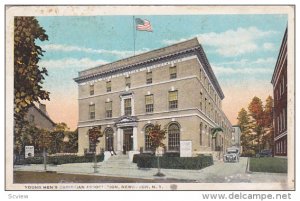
x,y
147,139
174,137
109,139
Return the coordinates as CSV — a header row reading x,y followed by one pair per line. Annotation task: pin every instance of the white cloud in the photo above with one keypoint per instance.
x,y
71,62
268,46
231,42
245,66
270,61
228,70
69,48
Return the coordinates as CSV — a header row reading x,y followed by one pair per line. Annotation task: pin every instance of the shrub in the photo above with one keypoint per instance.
x,y
193,163
269,164
58,160
171,154
248,153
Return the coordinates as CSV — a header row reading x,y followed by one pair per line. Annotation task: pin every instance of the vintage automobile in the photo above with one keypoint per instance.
x,y
232,155
264,153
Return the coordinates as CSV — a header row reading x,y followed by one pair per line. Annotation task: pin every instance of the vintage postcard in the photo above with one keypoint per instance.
x,y
150,97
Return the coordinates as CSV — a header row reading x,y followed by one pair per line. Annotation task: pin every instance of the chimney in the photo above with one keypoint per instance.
x,y
43,108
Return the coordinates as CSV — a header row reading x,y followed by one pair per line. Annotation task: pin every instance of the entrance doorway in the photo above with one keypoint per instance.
x,y
128,138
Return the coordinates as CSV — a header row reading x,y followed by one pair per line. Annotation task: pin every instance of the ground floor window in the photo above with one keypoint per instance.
x,y
109,139
147,138
173,137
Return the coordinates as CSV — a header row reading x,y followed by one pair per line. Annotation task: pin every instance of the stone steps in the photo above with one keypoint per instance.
x,y
118,162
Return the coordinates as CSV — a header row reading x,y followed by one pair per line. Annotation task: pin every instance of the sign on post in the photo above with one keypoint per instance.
x,y
159,151
185,148
29,151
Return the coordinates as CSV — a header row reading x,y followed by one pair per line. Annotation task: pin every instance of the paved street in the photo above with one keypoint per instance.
x,y
218,173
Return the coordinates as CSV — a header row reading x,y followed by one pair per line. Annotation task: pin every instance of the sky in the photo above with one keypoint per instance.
x,y
242,50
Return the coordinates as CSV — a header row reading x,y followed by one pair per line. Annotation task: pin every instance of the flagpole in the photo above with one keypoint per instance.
x,y
133,35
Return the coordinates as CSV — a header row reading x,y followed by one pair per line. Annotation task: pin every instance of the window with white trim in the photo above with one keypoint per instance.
x,y
149,103
173,137
92,111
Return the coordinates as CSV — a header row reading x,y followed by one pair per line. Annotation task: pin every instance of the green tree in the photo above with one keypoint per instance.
x,y
94,135
57,137
244,123
28,77
71,146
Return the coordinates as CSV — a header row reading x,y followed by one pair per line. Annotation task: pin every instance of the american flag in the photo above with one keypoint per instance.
x,y
143,25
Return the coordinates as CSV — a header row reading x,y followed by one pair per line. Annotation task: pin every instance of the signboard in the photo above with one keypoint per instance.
x,y
185,148
159,151
29,151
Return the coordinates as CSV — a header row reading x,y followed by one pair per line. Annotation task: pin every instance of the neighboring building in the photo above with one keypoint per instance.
x,y
172,86
279,81
39,117
236,136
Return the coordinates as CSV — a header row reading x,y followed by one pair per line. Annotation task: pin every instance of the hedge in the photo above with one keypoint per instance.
x,y
58,160
193,163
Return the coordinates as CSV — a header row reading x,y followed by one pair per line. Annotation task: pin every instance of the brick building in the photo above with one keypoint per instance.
x,y
279,82
173,86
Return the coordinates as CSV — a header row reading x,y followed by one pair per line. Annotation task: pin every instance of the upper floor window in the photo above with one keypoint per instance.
x,y
92,89
92,111
173,72
108,86
173,99
108,109
127,82
201,99
149,103
127,106
148,77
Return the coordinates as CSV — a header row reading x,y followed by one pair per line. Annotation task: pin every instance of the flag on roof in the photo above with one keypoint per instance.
x,y
143,25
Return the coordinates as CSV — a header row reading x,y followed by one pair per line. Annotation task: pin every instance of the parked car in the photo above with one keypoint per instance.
x,y
264,153
232,155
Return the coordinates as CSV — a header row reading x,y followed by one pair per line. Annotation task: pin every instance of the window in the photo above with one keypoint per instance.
x,y
148,77
127,106
92,111
108,109
173,100
201,127
92,89
127,82
201,99
109,139
173,72
147,138
149,103
284,119
92,144
108,86
205,103
174,137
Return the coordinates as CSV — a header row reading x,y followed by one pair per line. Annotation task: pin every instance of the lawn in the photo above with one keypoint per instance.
x,y
268,164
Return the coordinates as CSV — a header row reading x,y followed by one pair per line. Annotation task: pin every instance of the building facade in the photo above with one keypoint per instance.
x,y
39,117
172,86
279,82
236,136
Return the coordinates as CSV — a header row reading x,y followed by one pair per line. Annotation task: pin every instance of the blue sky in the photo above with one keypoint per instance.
x,y
242,49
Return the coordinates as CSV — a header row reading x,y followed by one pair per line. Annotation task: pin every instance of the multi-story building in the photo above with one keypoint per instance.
x,y
173,86
279,82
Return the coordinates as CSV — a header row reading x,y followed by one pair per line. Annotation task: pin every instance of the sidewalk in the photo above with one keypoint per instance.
x,y
218,173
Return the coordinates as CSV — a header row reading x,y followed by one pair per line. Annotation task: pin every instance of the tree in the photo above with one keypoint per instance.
x,y
268,138
94,135
71,146
244,123
57,137
256,112
156,136
28,77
